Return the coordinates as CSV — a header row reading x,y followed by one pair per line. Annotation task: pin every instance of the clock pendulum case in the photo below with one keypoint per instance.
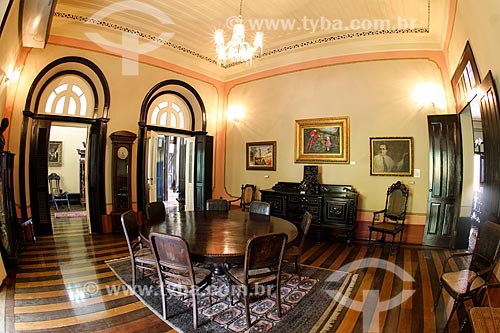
x,y
121,175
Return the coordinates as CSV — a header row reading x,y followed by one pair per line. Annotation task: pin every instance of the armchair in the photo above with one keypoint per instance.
x,y
393,216
468,284
248,192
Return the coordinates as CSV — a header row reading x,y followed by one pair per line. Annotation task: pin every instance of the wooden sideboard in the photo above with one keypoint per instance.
x,y
333,207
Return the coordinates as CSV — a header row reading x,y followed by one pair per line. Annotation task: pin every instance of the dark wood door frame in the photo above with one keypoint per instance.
x,y
91,73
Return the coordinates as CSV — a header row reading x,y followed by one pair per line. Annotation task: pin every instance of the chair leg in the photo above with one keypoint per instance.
x,y
438,296
195,308
133,274
297,265
278,299
455,305
247,306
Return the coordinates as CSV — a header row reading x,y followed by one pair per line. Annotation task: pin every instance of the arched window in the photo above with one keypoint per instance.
x,y
170,111
68,96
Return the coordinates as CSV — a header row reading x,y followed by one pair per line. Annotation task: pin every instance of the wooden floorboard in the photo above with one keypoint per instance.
x,y
47,296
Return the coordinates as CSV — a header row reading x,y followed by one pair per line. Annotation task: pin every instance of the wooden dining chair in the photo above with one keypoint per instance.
x,y
140,257
221,205
262,267
468,283
177,273
260,207
293,251
155,211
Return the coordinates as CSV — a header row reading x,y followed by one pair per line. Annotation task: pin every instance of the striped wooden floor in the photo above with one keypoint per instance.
x,y
61,286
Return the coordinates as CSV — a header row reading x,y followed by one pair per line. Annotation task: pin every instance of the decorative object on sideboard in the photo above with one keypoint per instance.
x,y
322,140
310,182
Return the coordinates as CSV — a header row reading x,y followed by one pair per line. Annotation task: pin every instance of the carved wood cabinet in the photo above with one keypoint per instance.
x,y
333,208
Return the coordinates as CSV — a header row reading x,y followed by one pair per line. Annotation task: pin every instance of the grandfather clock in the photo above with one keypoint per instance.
x,y
121,175
8,219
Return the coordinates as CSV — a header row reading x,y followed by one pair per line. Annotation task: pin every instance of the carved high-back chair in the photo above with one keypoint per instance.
x,y
55,192
248,193
391,219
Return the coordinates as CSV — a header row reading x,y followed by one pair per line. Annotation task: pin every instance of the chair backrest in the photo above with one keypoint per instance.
x,y
155,211
247,194
54,180
172,257
217,205
265,251
260,207
487,249
304,227
395,202
131,230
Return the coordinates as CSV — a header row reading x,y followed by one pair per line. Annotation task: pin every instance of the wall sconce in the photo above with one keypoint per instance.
x,y
11,76
430,94
235,113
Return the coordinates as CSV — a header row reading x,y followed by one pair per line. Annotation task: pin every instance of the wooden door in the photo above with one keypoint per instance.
x,y
152,160
490,119
203,170
189,180
38,181
445,180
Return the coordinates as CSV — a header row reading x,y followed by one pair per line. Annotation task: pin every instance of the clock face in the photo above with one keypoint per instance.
x,y
122,153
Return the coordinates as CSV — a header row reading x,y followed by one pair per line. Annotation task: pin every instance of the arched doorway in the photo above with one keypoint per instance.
x,y
173,113
70,90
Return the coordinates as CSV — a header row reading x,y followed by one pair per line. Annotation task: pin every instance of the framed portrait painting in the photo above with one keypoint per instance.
x,y
261,155
322,140
55,153
391,156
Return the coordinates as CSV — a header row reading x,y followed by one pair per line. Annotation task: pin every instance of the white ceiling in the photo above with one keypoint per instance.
x,y
183,29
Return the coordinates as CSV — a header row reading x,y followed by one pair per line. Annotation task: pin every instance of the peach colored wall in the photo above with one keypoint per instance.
x,y
377,96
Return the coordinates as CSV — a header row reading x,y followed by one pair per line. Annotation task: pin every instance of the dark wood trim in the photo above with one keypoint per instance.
x,y
156,91
98,129
461,83
490,119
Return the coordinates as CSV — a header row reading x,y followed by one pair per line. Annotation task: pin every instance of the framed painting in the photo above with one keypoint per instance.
x,y
391,156
261,155
55,153
322,140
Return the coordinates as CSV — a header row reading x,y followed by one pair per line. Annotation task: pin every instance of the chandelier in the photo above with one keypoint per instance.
x,y
236,50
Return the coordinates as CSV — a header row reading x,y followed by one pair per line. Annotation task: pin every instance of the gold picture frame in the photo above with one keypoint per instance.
x,y
55,153
322,140
261,155
391,156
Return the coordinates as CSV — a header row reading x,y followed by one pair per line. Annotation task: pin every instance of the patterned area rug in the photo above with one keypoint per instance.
x,y
70,214
308,302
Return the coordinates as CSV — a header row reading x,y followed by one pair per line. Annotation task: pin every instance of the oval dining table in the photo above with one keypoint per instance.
x,y
219,237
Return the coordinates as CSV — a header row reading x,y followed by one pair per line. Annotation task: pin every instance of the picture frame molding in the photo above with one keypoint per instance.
x,y
55,161
302,126
398,156
250,165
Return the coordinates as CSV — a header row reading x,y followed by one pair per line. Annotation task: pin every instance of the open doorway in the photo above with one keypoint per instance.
x,y
66,173
166,170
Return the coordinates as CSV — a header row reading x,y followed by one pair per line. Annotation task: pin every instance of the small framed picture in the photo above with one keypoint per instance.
x,y
391,156
55,153
261,155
